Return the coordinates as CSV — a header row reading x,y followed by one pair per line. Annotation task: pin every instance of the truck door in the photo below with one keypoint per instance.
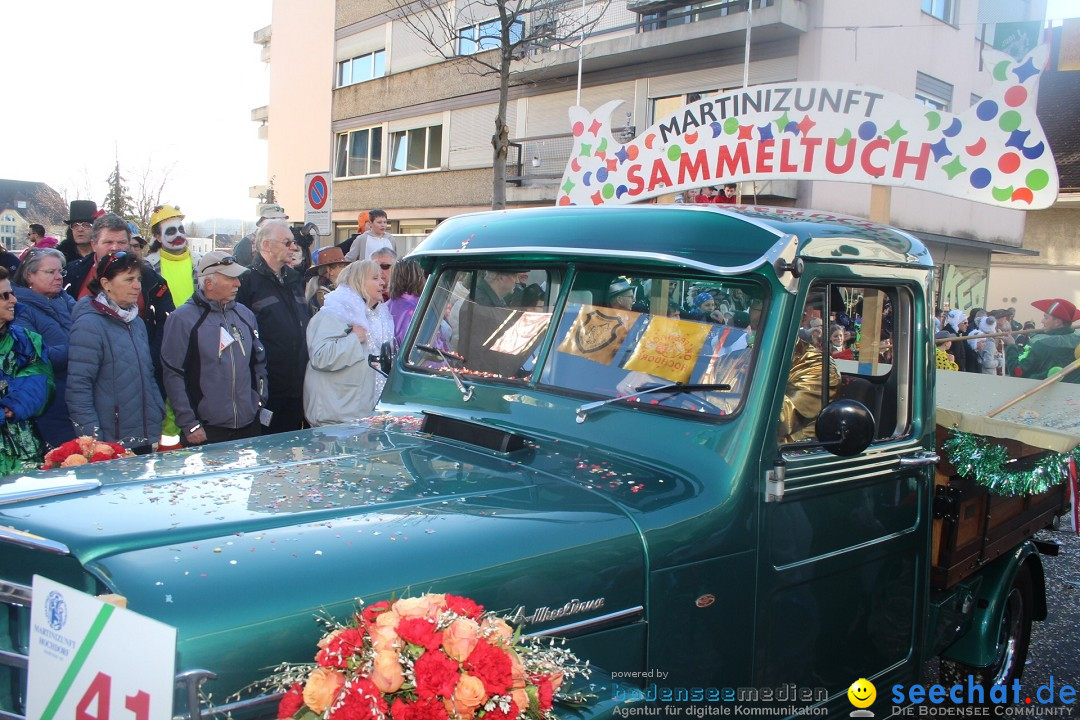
x,y
844,550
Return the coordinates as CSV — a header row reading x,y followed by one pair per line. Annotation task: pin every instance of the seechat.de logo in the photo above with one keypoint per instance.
x,y
56,610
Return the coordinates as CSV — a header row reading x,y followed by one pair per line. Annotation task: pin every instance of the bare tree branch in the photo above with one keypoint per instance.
x,y
488,36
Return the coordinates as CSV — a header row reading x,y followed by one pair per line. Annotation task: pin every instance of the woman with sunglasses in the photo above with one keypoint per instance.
x,y
25,387
45,308
111,392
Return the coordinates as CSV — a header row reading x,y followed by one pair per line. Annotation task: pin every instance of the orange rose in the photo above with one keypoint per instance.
x,y
73,460
104,449
521,698
497,631
322,687
388,619
556,679
387,673
86,445
460,638
383,638
427,606
468,695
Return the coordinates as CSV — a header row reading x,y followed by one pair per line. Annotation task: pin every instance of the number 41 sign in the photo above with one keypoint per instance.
x,y
93,661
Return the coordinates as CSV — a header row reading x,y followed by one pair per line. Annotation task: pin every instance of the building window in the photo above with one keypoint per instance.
x,y
941,9
486,36
933,93
358,153
361,68
417,149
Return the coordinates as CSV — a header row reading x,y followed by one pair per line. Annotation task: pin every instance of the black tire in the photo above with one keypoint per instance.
x,y
1014,635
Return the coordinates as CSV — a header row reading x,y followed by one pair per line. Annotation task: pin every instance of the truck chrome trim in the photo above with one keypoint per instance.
x,y
34,542
919,459
15,594
592,624
31,488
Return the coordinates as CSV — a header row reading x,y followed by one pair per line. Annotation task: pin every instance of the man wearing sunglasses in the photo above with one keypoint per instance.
x,y
214,362
109,234
275,293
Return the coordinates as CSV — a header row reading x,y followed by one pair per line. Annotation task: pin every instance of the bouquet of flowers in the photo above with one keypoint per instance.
x,y
82,450
435,657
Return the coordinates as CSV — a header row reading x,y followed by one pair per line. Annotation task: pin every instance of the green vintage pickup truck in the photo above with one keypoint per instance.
x,y
574,433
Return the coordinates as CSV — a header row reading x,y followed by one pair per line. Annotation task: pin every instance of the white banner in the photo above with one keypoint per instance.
x,y
994,152
91,660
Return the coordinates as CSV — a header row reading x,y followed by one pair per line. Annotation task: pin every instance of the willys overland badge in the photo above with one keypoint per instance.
x,y
597,333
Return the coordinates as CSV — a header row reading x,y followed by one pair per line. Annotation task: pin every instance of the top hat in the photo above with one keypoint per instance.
x,y
82,211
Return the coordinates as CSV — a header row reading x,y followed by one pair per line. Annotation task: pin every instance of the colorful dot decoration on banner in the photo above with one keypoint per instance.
x,y
994,152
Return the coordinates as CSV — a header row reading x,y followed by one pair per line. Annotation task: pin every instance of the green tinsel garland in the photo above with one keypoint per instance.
x,y
974,457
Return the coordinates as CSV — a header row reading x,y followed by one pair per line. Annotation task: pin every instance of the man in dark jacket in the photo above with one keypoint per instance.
x,y
275,293
109,234
1053,348
214,362
81,216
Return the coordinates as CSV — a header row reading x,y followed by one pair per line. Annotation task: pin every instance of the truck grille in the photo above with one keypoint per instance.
x,y
14,648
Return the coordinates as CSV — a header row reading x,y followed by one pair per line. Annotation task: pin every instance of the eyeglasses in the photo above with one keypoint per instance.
x,y
223,262
106,262
386,266
7,295
289,243
84,225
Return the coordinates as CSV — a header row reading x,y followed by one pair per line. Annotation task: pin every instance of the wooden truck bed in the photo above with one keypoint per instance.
x,y
973,526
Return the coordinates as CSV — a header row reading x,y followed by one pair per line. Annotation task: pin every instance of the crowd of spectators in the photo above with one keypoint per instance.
x,y
97,340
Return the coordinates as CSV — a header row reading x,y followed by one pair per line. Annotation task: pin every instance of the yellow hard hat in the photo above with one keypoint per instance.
x,y
163,213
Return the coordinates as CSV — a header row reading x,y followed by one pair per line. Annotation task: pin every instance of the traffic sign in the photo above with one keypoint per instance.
x,y
85,661
317,202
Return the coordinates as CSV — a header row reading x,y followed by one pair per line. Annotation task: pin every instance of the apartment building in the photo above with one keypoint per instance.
x,y
411,132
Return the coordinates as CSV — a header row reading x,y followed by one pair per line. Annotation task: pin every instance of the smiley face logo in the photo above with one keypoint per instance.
x,y
862,693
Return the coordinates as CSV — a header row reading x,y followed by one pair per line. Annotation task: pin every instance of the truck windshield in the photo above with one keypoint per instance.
x,y
615,334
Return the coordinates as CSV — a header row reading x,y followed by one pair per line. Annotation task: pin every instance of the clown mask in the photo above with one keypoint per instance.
x,y
173,238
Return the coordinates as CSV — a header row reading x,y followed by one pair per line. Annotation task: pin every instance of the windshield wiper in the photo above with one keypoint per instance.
x,y
466,390
674,388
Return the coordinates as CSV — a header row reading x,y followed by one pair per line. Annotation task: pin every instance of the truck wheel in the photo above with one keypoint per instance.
x,y
1012,642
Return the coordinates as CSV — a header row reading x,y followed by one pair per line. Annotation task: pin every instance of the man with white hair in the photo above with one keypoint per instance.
x,y
214,362
275,293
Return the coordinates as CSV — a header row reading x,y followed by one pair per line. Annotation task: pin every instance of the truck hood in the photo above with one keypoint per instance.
x,y
238,545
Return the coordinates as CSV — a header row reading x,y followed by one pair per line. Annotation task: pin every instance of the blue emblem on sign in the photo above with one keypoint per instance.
x,y
56,610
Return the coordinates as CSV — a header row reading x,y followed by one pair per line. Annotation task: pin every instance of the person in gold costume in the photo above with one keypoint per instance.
x,y
802,399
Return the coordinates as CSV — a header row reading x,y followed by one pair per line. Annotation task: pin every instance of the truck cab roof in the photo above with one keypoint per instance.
x,y
714,238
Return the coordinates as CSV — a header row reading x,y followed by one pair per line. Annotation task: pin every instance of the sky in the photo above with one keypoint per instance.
x,y
164,86
161,86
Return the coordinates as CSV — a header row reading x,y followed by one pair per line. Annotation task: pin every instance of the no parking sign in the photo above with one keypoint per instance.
x,y
317,201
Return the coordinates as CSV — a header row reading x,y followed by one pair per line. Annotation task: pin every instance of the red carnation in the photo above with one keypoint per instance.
x,y
340,648
464,606
372,613
436,675
429,709
419,631
497,714
292,701
492,666
544,692
361,701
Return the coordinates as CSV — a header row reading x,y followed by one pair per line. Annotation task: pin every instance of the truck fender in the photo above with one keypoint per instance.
x,y
977,646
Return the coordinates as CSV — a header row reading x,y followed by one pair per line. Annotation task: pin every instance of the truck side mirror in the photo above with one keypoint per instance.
x,y
382,362
845,427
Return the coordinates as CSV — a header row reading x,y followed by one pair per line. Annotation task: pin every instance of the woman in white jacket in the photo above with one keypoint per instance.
x,y
339,385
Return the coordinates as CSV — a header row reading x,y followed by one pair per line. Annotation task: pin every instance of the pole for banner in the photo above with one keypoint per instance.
x,y
746,52
580,53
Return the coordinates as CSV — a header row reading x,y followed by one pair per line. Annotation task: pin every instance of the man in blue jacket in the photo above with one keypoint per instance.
x,y
213,360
